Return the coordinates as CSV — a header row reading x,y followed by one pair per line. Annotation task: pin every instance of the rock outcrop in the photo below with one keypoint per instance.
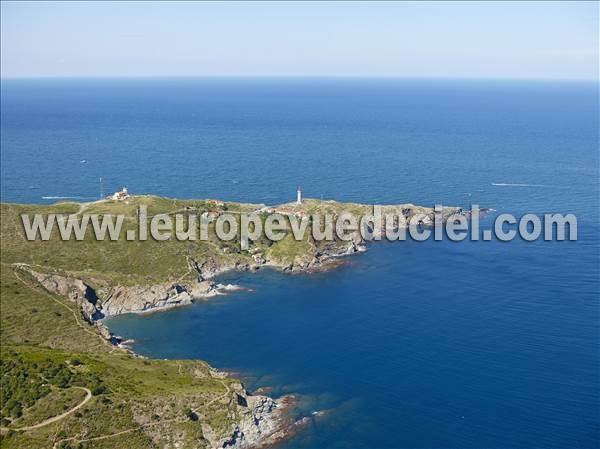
x,y
142,298
74,289
111,301
261,421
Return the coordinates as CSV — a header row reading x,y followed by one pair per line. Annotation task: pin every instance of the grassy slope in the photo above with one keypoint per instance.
x,y
58,401
136,262
38,327
154,261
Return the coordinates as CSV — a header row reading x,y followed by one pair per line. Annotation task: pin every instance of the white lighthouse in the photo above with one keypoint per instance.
x,y
298,195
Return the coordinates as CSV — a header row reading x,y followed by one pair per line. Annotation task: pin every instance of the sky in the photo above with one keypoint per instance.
x,y
539,40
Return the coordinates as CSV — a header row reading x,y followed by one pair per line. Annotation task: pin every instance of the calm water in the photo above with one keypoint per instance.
x,y
412,344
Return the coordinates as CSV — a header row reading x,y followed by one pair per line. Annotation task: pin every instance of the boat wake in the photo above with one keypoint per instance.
x,y
502,184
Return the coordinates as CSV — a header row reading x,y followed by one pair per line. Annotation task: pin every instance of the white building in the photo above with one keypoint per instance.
x,y
122,195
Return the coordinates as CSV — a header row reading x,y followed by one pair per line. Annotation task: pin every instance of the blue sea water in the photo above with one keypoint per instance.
x,y
435,344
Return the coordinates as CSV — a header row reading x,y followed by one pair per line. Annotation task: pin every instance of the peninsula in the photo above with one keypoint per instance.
x,y
66,379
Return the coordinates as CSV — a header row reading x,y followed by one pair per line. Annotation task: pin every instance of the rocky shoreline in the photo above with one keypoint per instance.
x,y
108,300
97,304
263,421
112,300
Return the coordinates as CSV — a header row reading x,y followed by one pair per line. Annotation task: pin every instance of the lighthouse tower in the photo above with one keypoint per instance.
x,y
298,195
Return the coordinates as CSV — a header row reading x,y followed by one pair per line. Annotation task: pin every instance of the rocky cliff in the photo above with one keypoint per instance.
x,y
261,421
116,300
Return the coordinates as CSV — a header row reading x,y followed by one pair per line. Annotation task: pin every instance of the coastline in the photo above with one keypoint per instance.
x,y
260,419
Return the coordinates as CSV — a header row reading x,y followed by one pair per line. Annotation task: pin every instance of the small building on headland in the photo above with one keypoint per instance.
x,y
215,203
121,195
298,195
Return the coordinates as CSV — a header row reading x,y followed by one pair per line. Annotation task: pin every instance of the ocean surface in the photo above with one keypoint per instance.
x,y
411,345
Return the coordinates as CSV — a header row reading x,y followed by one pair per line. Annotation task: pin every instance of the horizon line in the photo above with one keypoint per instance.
x,y
297,76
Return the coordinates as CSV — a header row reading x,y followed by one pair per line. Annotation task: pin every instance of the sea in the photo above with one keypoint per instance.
x,y
430,344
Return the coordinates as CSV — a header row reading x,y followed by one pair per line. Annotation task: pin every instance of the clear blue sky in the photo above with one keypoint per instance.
x,y
500,40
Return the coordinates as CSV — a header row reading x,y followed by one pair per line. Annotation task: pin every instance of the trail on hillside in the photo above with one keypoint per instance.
x,y
88,396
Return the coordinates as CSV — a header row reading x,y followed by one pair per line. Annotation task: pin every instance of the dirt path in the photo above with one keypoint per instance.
x,y
227,392
104,437
58,417
69,217
133,429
